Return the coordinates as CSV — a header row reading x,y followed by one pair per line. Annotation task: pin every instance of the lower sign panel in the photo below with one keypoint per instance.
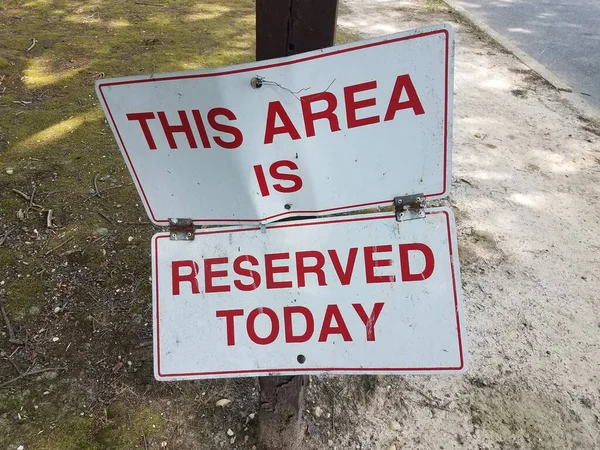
x,y
354,294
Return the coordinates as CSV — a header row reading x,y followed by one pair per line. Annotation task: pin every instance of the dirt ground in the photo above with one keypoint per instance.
x,y
76,373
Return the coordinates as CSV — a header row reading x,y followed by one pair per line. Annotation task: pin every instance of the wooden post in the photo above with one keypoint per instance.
x,y
283,28
289,27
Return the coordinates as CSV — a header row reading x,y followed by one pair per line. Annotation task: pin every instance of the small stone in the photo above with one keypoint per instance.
x,y
252,416
130,239
55,339
101,231
223,402
230,432
587,401
317,411
163,444
57,310
10,170
330,443
392,447
232,440
395,426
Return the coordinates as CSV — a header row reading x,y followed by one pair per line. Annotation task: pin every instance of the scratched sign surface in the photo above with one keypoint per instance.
x,y
342,128
349,294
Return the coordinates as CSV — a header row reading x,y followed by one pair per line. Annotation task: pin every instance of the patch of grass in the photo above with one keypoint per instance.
x,y
126,429
436,6
8,257
22,294
75,433
344,36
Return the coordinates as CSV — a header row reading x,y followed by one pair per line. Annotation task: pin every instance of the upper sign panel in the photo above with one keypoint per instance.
x,y
344,128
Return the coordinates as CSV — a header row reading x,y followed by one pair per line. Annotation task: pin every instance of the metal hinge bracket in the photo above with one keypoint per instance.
x,y
409,207
181,229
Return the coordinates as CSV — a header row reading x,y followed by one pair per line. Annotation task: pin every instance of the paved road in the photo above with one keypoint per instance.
x,y
563,35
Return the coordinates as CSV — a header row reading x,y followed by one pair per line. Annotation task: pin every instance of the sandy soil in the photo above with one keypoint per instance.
x,y
525,191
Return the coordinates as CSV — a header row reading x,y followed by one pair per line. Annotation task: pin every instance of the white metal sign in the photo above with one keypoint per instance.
x,y
343,128
349,294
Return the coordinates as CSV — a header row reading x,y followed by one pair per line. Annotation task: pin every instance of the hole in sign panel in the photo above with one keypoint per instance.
x,y
287,206
301,359
256,82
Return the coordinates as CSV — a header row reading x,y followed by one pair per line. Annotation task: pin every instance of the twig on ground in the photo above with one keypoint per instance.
x,y
104,216
12,338
91,243
31,197
15,366
28,373
97,191
58,246
430,402
49,219
6,234
28,198
145,443
33,42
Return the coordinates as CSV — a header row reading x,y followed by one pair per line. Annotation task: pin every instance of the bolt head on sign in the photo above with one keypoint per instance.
x,y
343,128
349,294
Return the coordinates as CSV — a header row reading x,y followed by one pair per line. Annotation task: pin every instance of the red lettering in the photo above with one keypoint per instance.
x,y
371,263
369,320
238,269
328,113
344,275
250,326
352,104
143,119
291,177
229,323
275,110
317,268
209,274
238,138
403,83
178,278
170,130
201,128
270,271
287,320
405,264
262,180
333,312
